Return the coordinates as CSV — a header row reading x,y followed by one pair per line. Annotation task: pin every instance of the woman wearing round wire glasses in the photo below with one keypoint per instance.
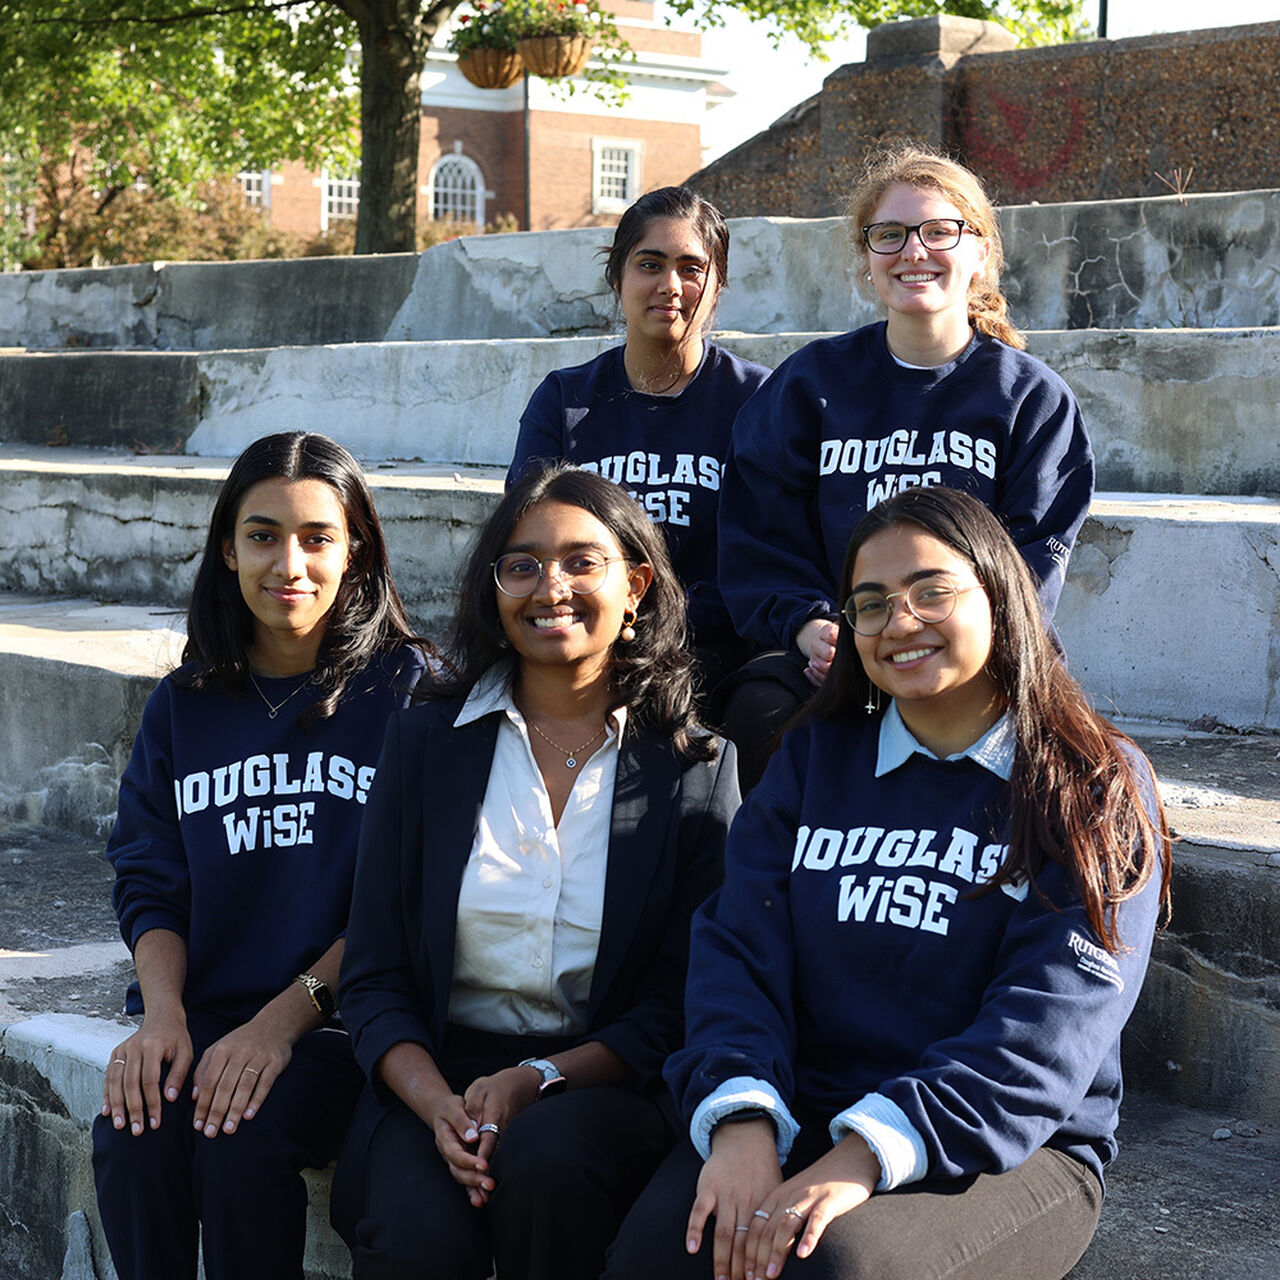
x,y
905,1004
940,392
540,835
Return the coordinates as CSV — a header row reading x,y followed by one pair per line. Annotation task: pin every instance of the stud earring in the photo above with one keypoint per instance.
x,y
628,632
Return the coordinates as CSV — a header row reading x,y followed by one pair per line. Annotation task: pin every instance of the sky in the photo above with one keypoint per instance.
x,y
768,82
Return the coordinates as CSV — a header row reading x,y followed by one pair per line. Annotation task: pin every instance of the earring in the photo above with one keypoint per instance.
x,y
873,698
628,632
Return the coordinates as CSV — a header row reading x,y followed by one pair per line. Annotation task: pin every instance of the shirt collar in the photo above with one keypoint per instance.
x,y
993,751
493,692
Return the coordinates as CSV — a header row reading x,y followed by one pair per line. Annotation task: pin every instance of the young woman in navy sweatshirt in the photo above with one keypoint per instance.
x,y
939,393
234,851
904,1006
654,415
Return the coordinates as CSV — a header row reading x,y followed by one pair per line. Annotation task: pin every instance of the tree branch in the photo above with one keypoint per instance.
x,y
168,20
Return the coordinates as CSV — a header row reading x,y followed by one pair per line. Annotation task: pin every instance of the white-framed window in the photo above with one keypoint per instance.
x,y
457,189
615,173
341,199
256,185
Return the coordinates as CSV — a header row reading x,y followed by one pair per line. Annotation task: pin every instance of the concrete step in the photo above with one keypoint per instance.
x,y
1202,260
1192,411
1191,1197
131,529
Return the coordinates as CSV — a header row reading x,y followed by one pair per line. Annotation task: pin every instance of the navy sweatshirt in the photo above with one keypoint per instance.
x,y
666,451
239,832
841,426
847,960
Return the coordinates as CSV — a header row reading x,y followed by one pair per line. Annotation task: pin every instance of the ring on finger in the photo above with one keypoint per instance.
x,y
489,1128
793,1212
760,1213
121,1061
250,1071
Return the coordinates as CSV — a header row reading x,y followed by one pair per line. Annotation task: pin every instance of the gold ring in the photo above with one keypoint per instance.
x,y
250,1071
121,1061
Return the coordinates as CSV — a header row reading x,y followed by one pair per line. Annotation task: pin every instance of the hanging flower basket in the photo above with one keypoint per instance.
x,y
553,57
491,68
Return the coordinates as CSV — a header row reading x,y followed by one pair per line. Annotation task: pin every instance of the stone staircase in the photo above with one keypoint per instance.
x,y
125,391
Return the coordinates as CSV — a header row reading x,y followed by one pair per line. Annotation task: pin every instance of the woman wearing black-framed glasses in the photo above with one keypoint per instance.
x,y
940,392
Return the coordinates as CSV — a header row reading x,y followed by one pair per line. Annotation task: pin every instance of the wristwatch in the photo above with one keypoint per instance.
x,y
552,1080
320,994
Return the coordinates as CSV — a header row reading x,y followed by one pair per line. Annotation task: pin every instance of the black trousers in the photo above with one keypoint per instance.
x,y
566,1171
754,705
155,1191
1032,1223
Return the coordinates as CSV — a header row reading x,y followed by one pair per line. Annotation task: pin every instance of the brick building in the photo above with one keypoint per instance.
x,y
586,161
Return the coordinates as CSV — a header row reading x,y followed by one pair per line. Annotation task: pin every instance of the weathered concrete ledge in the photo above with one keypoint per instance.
x,y
206,305
1205,261
1188,411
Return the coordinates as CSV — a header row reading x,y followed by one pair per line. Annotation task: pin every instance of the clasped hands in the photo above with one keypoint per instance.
x,y
467,1127
759,1217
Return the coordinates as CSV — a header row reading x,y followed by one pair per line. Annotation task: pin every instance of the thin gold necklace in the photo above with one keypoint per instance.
x,y
571,757
274,710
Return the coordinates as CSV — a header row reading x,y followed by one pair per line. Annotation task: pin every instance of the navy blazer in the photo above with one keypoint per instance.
x,y
665,856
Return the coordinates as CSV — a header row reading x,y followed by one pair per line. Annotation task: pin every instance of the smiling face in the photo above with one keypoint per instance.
x,y
919,281
552,627
289,549
936,672
668,286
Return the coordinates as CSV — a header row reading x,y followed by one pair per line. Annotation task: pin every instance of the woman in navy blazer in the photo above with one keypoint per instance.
x,y
500,1127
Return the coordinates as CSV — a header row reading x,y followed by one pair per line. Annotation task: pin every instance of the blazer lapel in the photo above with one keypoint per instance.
x,y
456,762
643,793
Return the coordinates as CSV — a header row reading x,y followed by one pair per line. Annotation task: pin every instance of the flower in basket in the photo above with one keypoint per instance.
x,y
565,18
490,24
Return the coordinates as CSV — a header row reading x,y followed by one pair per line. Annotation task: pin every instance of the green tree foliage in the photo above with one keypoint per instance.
x,y
100,96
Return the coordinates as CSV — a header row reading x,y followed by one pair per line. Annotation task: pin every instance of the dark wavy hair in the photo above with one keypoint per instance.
x,y
652,676
708,223
1079,785
367,618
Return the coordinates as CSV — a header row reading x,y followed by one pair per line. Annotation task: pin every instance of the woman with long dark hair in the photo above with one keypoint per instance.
x,y
655,414
904,1006
234,851
939,392
537,841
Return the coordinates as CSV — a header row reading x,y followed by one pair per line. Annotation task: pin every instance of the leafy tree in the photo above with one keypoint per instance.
x,y
171,92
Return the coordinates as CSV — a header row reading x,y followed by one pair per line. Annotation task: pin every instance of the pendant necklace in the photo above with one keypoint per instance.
x,y
273,710
571,757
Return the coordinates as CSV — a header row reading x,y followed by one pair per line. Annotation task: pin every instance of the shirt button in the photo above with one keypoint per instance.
x,y
547,883
537,962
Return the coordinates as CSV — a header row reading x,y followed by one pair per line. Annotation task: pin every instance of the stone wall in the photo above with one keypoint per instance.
x,y
1196,111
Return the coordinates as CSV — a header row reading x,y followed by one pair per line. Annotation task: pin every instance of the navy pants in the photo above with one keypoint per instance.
x,y
155,1191
566,1170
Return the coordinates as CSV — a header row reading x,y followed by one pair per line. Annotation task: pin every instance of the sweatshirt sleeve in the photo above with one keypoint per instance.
x,y
379,997
1046,1035
1046,484
541,434
738,1004
153,882
773,571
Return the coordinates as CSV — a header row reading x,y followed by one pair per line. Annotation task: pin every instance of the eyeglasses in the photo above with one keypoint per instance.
x,y
518,574
936,233
928,600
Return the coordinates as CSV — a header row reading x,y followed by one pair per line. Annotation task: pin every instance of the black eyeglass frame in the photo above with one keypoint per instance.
x,y
961,225
542,564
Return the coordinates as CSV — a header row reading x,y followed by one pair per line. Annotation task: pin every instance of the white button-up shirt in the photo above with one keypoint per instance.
x,y
532,895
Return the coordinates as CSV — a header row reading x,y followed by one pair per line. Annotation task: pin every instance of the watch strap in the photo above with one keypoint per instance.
x,y
320,994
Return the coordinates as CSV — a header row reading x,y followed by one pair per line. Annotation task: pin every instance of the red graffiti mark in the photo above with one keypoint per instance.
x,y
1006,159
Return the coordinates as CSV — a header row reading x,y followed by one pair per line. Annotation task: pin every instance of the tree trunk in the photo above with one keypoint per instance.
x,y
393,43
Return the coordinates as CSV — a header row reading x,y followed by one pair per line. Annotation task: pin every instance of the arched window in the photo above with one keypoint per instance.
x,y
457,190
